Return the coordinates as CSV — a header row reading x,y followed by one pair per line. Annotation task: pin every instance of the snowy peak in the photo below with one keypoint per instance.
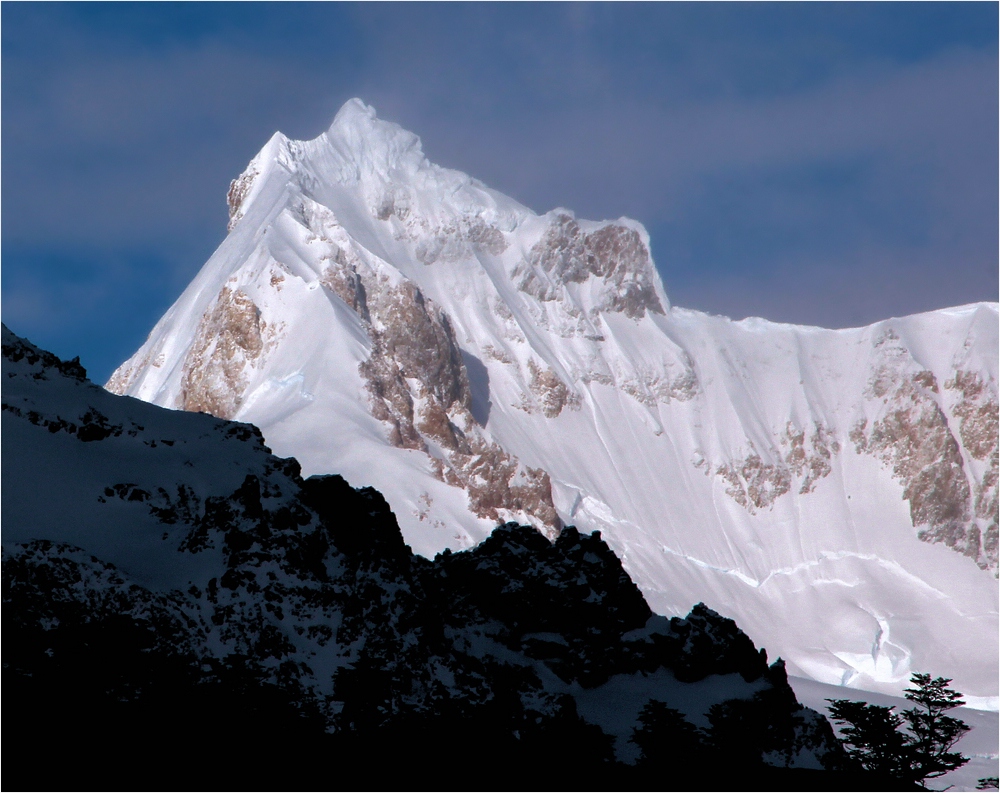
x,y
445,215
403,325
359,137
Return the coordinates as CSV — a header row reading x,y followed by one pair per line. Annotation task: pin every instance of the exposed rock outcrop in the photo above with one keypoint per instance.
x,y
614,253
977,411
550,394
239,189
229,339
812,461
913,436
418,385
755,484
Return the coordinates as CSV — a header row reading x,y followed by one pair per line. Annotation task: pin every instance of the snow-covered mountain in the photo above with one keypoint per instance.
x,y
175,594
401,324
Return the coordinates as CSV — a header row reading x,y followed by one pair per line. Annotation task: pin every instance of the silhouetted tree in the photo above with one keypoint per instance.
x,y
934,733
874,739
665,737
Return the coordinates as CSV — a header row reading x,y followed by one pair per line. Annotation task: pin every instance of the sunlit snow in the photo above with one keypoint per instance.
x,y
676,432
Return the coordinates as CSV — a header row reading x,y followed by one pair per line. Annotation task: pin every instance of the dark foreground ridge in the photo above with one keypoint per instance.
x,y
183,611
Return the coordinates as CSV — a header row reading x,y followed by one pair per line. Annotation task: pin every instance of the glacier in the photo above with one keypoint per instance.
x,y
407,327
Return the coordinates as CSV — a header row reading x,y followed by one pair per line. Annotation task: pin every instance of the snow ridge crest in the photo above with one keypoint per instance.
x,y
359,136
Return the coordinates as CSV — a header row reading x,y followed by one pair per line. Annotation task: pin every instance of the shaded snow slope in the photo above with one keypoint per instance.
x,y
178,546
404,325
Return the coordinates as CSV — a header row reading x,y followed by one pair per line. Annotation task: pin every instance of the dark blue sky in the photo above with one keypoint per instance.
x,y
828,164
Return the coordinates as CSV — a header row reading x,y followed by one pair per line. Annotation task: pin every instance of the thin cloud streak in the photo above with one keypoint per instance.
x,y
924,112
787,161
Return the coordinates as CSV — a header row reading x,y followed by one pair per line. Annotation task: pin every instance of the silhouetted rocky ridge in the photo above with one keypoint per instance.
x,y
182,610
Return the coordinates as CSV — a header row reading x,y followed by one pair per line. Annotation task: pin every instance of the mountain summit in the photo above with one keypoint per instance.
x,y
401,324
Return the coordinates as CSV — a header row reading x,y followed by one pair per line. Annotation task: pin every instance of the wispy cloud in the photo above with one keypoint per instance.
x,y
824,163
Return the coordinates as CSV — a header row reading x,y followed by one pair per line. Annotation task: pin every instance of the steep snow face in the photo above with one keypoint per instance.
x,y
407,327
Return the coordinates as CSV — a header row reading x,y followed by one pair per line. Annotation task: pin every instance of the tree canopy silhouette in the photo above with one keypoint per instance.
x,y
874,737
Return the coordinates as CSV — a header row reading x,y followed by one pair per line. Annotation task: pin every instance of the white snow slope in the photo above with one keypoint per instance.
x,y
377,316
